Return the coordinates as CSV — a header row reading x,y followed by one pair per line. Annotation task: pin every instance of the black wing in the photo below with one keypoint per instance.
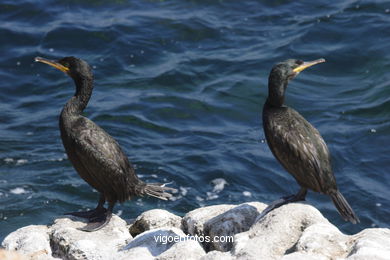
x,y
103,160
299,147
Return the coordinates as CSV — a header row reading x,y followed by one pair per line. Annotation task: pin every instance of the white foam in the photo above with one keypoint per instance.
x,y
173,198
21,161
247,193
8,160
183,190
199,198
219,184
211,196
18,190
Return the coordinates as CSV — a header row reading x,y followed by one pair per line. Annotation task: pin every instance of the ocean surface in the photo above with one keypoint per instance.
x,y
181,85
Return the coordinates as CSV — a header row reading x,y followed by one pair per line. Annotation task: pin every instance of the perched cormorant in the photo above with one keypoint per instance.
x,y
95,155
296,144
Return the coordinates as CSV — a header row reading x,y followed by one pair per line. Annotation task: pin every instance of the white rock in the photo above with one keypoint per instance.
x,y
31,241
152,219
323,239
304,256
188,249
67,241
223,227
277,232
141,253
194,220
373,243
12,255
294,231
217,255
156,241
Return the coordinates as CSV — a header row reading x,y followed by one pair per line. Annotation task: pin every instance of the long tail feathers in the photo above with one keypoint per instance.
x,y
159,190
343,207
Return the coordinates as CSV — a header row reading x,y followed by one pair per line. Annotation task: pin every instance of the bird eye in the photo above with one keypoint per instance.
x,y
298,62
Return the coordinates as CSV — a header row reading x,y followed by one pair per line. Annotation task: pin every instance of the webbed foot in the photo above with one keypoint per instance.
x,y
97,222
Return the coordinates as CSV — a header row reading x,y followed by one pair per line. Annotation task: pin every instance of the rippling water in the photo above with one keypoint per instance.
x,y
180,85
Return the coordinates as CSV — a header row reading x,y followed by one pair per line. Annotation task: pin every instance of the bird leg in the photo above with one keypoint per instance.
x,y
285,200
91,213
98,221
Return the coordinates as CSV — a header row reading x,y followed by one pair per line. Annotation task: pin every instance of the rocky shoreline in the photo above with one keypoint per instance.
x,y
294,231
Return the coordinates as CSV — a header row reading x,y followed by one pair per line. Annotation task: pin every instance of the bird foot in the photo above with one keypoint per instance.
x,y
97,222
280,202
90,214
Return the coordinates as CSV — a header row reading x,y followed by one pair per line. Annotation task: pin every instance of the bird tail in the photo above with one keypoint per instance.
x,y
159,190
343,207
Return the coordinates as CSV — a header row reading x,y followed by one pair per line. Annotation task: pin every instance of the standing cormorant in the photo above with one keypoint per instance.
x,y
95,155
296,144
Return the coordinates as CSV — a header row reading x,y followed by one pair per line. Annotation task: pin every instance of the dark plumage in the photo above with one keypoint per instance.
x,y
296,144
95,155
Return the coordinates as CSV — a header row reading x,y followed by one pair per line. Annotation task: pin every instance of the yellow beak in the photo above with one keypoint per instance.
x,y
53,64
307,64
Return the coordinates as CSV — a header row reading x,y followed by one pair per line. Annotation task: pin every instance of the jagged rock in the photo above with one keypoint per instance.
x,y
229,223
30,240
152,219
194,220
217,255
373,243
277,232
188,249
156,241
69,242
291,232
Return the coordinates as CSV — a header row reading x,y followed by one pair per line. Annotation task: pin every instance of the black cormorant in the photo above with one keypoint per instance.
x,y
296,144
95,155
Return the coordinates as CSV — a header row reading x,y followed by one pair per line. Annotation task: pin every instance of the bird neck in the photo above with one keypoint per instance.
x,y
276,90
79,101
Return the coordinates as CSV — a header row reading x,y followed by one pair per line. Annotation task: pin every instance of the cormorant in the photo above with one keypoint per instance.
x,y
95,155
296,144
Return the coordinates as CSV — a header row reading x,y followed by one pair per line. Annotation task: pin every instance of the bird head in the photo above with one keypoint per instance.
x,y
74,67
281,74
290,68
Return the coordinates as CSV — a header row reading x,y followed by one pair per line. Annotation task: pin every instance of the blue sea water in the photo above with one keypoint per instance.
x,y
181,84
